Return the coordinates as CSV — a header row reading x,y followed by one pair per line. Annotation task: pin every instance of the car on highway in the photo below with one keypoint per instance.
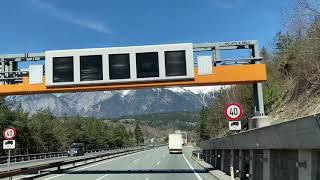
x,y
76,149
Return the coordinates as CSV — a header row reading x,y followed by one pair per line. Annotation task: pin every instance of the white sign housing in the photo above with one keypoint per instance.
x,y
119,65
234,125
9,144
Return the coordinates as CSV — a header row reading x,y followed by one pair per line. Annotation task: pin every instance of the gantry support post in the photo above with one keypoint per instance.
x,y
259,119
2,69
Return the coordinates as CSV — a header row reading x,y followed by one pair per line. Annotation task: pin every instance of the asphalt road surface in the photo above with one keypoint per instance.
x,y
154,164
23,164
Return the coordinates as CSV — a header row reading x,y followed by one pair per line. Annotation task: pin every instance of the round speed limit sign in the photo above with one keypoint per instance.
x,y
9,133
233,111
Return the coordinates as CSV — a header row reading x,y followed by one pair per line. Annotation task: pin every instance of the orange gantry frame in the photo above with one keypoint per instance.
x,y
222,75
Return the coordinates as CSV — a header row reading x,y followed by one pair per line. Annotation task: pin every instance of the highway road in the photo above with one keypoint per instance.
x,y
154,164
23,164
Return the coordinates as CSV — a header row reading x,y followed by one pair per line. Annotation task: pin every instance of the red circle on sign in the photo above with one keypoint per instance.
x,y
233,118
9,137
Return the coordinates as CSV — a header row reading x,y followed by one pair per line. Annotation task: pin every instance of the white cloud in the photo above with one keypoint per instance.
x,y
66,16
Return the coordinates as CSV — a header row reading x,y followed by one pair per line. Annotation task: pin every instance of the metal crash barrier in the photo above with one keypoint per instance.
x,y
73,162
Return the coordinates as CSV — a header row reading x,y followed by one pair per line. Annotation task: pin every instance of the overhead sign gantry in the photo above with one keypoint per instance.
x,y
129,68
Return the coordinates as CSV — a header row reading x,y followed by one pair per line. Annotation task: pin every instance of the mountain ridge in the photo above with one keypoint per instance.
x,y
113,104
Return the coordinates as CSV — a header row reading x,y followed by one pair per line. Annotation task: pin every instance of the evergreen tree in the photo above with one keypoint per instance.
x,y
138,134
203,129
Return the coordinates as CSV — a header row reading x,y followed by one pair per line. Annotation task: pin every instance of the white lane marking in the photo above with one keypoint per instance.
x,y
54,176
148,178
163,155
194,171
23,177
136,160
97,164
158,163
103,177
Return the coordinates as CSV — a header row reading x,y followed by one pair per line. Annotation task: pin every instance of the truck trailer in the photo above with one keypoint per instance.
x,y
175,143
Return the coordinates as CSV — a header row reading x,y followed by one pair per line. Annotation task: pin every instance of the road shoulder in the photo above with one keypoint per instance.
x,y
214,172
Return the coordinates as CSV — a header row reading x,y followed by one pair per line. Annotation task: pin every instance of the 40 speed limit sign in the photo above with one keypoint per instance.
x,y
9,133
233,111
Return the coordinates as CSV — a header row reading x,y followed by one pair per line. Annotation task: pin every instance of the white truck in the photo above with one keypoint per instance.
x,y
175,143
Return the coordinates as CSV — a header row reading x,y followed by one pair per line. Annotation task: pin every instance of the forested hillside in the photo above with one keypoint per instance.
x,y
292,88
43,132
182,120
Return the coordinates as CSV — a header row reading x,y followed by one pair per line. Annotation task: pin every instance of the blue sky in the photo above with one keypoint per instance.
x,y
39,25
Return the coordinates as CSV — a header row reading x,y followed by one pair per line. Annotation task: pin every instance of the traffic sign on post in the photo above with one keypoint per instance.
x,y
234,125
9,133
233,111
9,144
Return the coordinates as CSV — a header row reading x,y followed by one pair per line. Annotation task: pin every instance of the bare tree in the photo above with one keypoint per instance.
x,y
311,6
303,14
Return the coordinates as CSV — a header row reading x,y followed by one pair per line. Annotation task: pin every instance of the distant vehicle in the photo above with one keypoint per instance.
x,y
175,143
76,149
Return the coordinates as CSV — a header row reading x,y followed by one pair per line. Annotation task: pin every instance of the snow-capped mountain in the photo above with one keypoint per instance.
x,y
117,103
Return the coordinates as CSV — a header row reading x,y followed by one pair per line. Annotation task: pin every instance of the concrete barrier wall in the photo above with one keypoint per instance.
x,y
289,150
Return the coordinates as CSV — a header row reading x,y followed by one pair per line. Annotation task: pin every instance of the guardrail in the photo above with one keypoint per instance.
x,y
28,157
59,164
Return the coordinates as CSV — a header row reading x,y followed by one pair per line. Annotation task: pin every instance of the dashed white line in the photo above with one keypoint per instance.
x,y
103,177
195,173
148,178
23,177
163,155
54,176
158,163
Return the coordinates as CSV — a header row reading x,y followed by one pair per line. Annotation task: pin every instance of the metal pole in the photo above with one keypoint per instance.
x,y
186,138
258,99
1,70
217,54
10,178
259,106
259,119
231,173
9,160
